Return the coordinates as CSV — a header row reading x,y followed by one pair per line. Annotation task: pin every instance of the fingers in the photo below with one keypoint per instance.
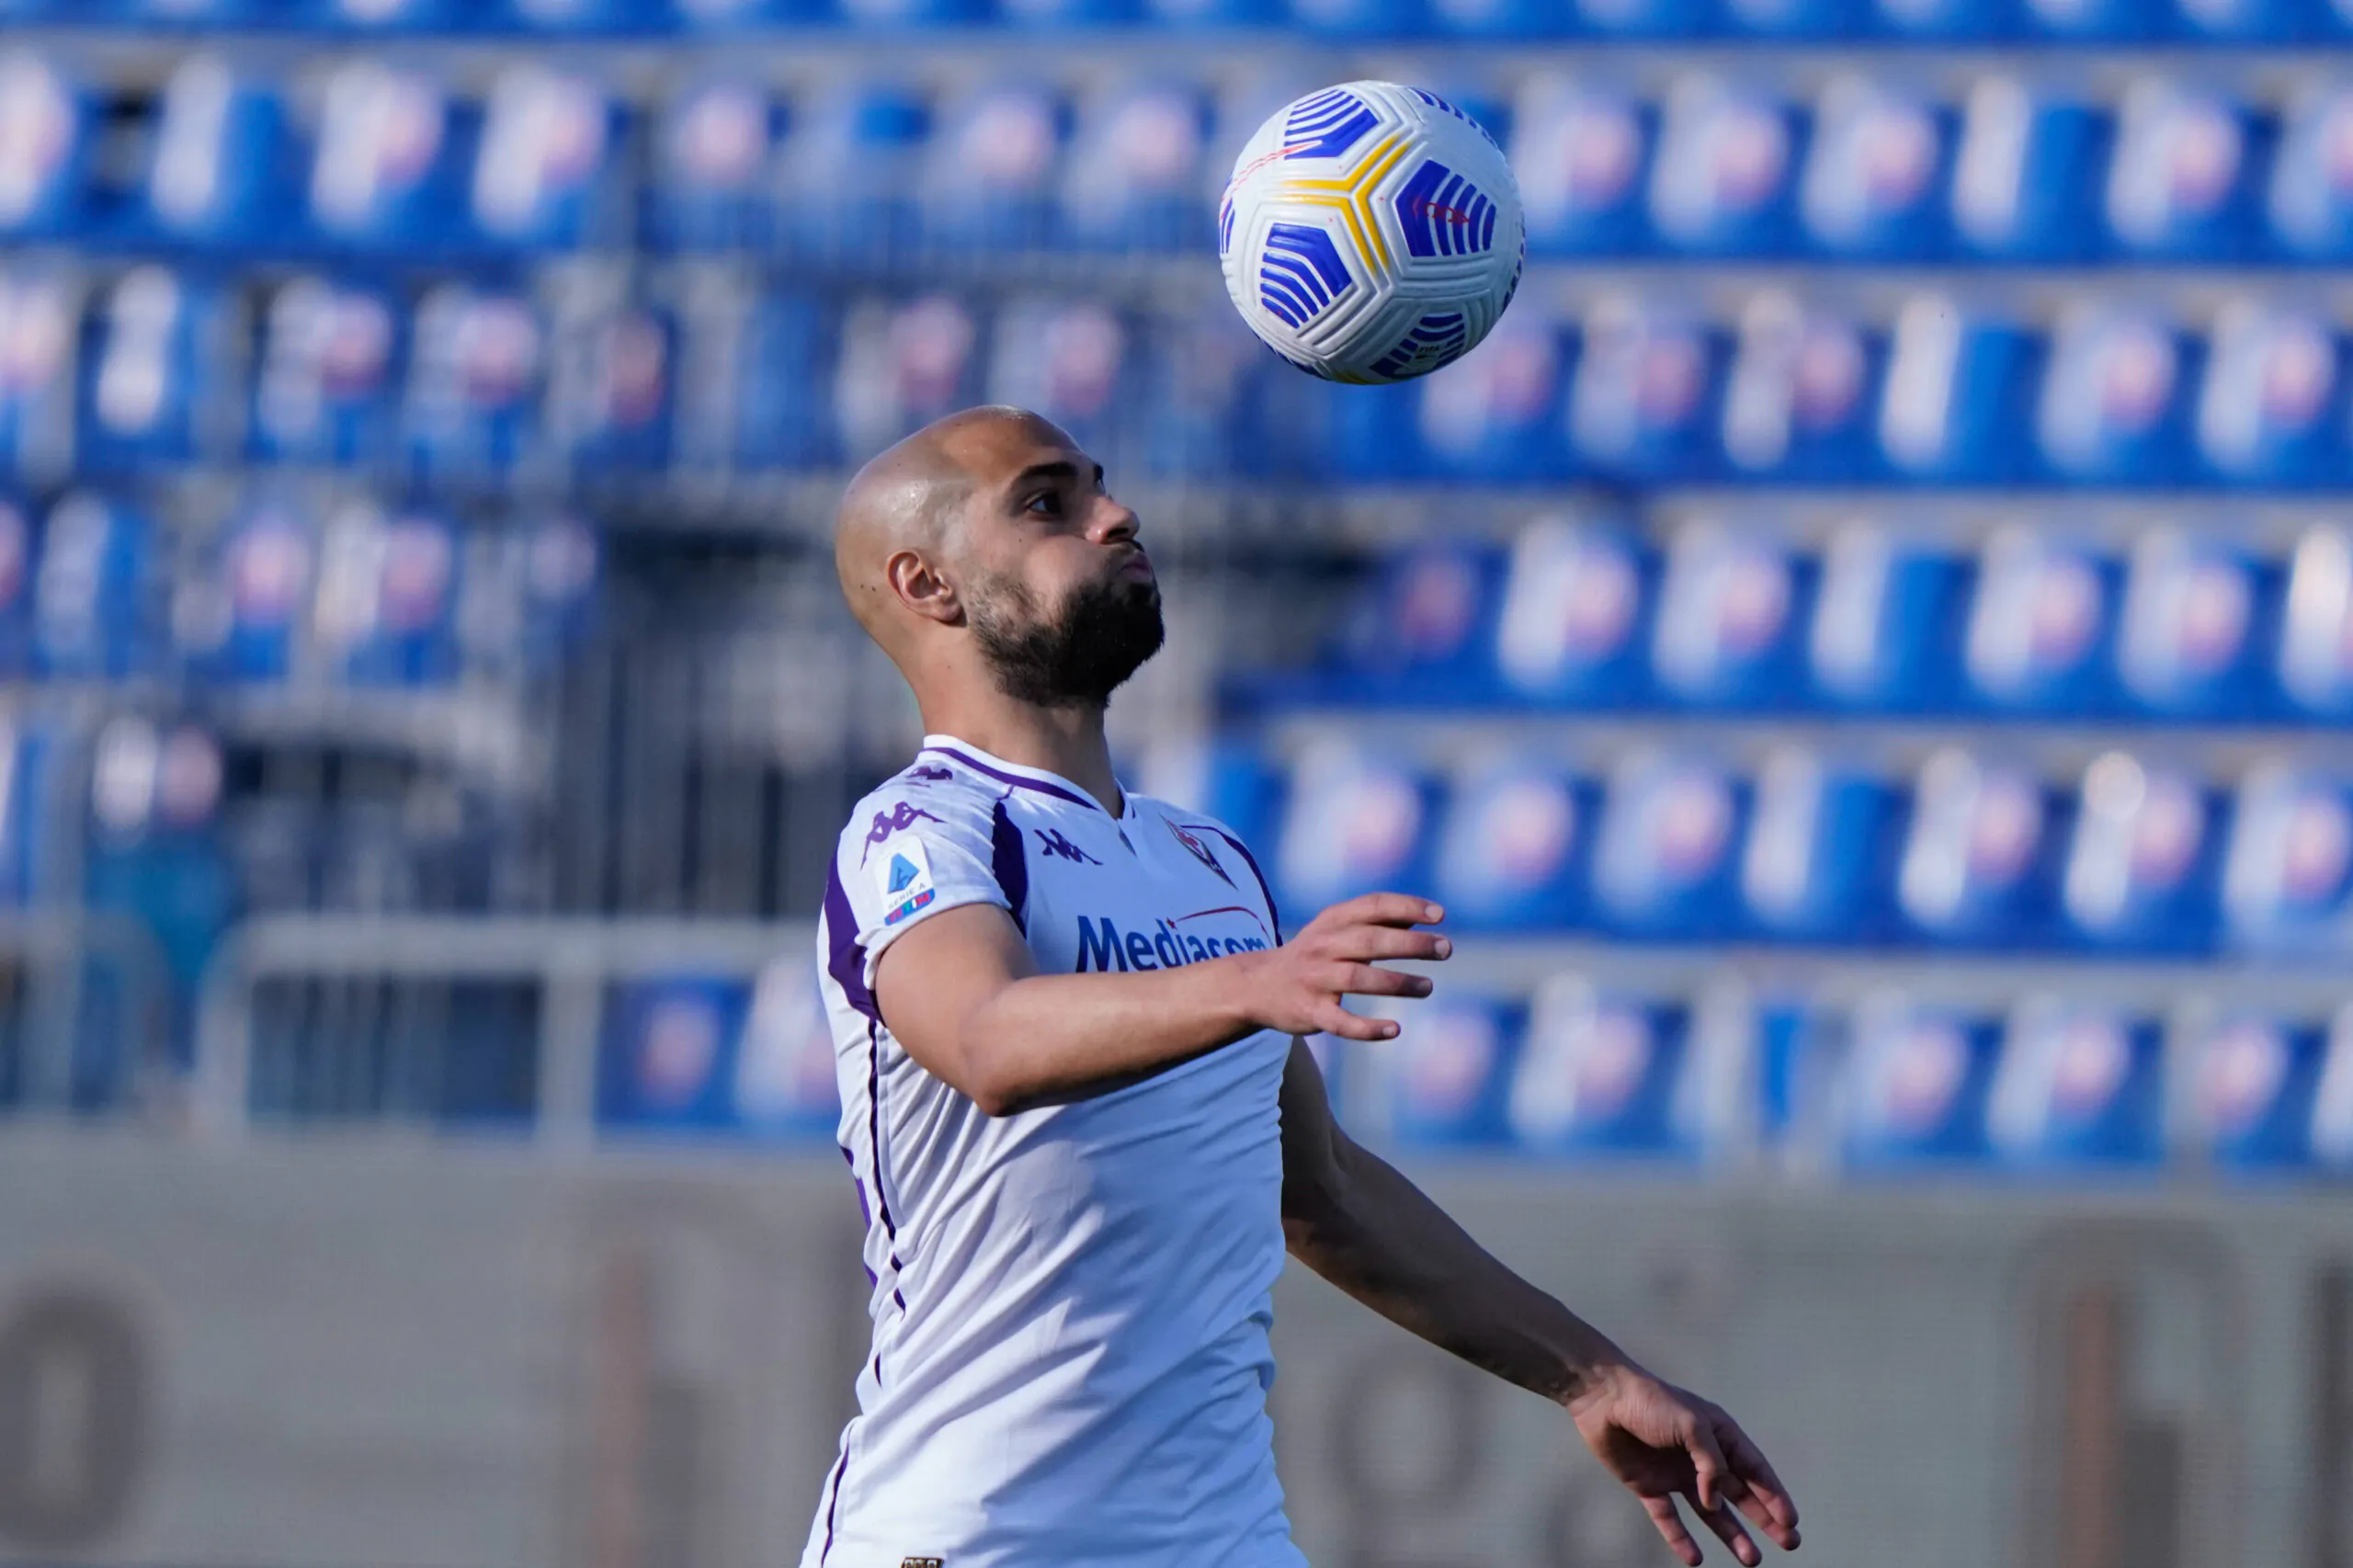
x,y
1364,980
1708,1469
1385,909
1337,1020
1726,1524
1369,942
1670,1525
1768,1503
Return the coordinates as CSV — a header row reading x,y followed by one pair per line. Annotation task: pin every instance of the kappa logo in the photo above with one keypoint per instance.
x,y
923,1563
1052,840
928,774
1200,848
898,819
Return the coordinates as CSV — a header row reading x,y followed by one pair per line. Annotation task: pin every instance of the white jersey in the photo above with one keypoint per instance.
x,y
1070,1362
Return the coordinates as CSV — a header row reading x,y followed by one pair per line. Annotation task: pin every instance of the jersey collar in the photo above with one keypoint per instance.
x,y
1021,778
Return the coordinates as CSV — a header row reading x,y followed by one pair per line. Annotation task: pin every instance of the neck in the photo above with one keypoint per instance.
x,y
1065,741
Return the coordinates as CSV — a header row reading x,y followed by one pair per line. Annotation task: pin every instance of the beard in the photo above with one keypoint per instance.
x,y
1103,633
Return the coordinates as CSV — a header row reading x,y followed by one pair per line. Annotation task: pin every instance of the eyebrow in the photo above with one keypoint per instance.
x,y
1059,468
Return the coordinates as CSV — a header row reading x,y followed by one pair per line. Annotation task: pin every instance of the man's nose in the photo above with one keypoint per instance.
x,y
1115,524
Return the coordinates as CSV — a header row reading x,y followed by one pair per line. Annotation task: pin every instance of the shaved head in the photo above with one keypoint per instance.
x,y
984,548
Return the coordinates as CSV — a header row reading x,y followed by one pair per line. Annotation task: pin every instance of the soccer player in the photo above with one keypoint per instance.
x,y
1082,1120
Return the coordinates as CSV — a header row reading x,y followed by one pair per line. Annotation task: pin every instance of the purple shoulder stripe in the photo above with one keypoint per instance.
x,y
1009,861
1265,889
844,955
1001,776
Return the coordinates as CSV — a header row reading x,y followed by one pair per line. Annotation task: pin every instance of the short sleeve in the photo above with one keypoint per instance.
x,y
909,857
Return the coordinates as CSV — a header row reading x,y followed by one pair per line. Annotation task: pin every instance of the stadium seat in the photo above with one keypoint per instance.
x,y
1515,846
2289,869
1880,608
543,175
1979,859
2143,867
2252,1084
39,331
1813,867
1581,151
2041,626
46,139
96,592
1800,393
389,165
19,546
477,363
388,594
2078,1087
1667,862
156,356
1573,619
2308,199
780,419
1353,823
2187,641
991,175
2026,173
2271,407
712,1056
904,363
331,363
241,618
1444,1081
717,142
1724,179
224,170
2180,176
1134,176
879,127
1732,608
1914,1085
1954,395
612,389
1876,166
1643,400
2315,667
1602,1075
1075,362
1416,635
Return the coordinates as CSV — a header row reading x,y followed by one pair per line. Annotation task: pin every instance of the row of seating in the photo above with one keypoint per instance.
x,y
2025,21
364,596
1834,843
1593,1069
154,367
2032,627
376,158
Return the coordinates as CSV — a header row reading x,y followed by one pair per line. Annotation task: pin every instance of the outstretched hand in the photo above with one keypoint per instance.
x,y
1298,987
1664,1442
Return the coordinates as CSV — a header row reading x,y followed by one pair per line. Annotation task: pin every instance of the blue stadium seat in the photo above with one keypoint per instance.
x,y
97,589
878,127
711,1056
1645,399
1667,863
716,143
2143,869
560,575
1800,394
1074,361
2309,200
40,329
331,363
903,364
1725,177
19,546
477,361
2252,1084
1878,165
1136,168
2290,872
1732,611
2026,173
2078,1088
2234,21
991,172
225,169
1496,414
2272,405
1882,607
388,594
1353,823
1980,854
2316,658
721,18
389,166
1515,846
613,397
544,175
1575,619
1955,393
1581,151
381,15
782,417
2188,642
1914,1086
2041,627
1219,401
1603,1074
1417,635
153,370
241,618
1922,20
2181,176
1446,1079
46,143
1792,18
1815,865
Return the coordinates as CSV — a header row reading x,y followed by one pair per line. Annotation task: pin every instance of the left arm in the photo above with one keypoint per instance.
x,y
1352,1218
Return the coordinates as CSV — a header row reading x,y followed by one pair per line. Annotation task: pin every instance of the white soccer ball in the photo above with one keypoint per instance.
x,y
1371,232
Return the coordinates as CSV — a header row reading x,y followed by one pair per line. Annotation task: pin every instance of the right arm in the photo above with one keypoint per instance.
x,y
962,994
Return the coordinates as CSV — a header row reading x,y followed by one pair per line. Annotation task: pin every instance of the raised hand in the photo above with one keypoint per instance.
x,y
1297,987
1663,1442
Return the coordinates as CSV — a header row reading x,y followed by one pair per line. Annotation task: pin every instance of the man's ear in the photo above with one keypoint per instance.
x,y
923,589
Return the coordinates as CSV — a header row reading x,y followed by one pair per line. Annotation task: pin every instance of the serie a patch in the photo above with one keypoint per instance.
x,y
903,875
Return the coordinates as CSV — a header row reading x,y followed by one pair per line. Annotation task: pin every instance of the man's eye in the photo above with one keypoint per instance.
x,y
1046,505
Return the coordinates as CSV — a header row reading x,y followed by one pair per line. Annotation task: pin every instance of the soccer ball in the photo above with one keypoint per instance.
x,y
1371,232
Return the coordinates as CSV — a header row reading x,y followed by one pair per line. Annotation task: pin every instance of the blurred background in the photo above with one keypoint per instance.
x,y
1865,653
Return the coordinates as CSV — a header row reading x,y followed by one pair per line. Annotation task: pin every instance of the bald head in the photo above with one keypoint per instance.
x,y
908,496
